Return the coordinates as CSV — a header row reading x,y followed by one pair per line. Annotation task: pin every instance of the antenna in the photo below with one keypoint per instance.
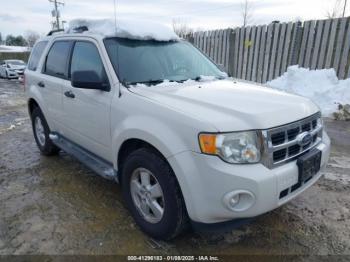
x,y
115,15
115,25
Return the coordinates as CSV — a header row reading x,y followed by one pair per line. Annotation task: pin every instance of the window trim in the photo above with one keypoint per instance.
x,y
65,75
69,78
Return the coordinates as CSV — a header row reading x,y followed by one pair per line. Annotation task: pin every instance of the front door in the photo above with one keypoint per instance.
x,y
87,111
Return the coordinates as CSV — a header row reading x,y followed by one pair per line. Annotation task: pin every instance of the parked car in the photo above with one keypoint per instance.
x,y
12,68
189,145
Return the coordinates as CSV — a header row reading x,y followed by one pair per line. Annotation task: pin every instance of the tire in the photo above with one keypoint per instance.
x,y
174,219
41,133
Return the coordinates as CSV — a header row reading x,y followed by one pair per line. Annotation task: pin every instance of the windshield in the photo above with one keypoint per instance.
x,y
152,62
15,62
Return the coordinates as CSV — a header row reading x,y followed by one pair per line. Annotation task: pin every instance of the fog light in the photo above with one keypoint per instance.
x,y
239,200
234,200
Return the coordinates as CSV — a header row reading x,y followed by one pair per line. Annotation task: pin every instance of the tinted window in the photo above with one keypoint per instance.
x,y
86,58
56,61
36,55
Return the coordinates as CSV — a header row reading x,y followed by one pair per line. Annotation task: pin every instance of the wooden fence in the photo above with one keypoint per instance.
x,y
15,55
262,53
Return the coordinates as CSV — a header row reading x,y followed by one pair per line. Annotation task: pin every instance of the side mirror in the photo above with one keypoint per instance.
x,y
88,80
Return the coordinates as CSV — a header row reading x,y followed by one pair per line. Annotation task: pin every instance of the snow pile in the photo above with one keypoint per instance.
x,y
13,49
321,86
132,29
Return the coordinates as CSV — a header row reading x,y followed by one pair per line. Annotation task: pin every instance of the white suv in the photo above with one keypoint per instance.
x,y
188,145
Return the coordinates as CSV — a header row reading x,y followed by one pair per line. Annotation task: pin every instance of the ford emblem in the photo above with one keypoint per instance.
x,y
304,139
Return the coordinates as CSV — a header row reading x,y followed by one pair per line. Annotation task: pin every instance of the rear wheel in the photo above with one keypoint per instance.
x,y
152,195
41,132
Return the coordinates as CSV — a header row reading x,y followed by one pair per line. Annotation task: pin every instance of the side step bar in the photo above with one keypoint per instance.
x,y
98,165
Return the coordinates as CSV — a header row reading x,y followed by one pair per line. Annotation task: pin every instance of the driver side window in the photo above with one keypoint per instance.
x,y
87,58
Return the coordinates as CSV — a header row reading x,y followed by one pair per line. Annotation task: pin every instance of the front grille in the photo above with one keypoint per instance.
x,y
278,138
282,143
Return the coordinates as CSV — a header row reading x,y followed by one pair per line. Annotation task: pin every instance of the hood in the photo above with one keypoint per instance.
x,y
231,105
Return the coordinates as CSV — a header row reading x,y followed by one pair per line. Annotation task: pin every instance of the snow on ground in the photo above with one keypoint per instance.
x,y
132,29
321,86
13,49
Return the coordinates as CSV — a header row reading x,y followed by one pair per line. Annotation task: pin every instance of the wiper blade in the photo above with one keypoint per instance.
x,y
199,78
149,82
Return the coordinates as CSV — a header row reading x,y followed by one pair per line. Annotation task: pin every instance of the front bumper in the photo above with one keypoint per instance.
x,y
12,74
205,180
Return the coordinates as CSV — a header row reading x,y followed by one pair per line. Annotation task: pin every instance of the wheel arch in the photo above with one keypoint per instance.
x,y
132,144
32,104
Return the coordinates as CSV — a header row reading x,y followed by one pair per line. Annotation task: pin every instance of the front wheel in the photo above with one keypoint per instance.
x,y
41,132
152,194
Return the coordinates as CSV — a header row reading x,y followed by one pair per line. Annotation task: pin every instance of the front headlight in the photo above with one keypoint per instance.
x,y
235,148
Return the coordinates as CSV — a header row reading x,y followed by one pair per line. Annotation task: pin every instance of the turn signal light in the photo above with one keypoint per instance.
x,y
208,143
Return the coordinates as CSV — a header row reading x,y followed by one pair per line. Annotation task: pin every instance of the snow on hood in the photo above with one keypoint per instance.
x,y
230,105
321,86
169,84
126,28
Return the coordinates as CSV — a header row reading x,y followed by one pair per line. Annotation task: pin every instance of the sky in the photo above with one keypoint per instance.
x,y
19,16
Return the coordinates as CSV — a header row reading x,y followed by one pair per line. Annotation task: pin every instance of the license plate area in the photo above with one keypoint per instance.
x,y
309,164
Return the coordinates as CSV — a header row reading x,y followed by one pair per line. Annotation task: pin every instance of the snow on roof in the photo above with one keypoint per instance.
x,y
321,86
13,49
132,29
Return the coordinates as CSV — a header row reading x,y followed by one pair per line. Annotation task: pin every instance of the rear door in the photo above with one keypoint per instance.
x,y
87,111
54,71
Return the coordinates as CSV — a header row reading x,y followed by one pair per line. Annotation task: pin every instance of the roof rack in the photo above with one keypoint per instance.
x,y
80,29
54,31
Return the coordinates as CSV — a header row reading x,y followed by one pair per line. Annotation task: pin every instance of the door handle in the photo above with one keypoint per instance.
x,y
41,84
69,94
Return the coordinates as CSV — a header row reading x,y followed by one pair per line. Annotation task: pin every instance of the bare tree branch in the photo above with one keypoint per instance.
x,y
247,13
181,28
31,37
344,9
338,9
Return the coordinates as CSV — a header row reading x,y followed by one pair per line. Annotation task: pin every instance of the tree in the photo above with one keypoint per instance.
x,y
0,38
15,40
338,9
247,13
31,37
181,28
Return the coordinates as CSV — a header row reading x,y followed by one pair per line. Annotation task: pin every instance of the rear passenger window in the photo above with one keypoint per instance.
x,y
87,58
36,55
57,58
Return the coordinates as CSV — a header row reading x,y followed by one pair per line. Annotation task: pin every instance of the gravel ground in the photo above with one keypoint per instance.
x,y
57,206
